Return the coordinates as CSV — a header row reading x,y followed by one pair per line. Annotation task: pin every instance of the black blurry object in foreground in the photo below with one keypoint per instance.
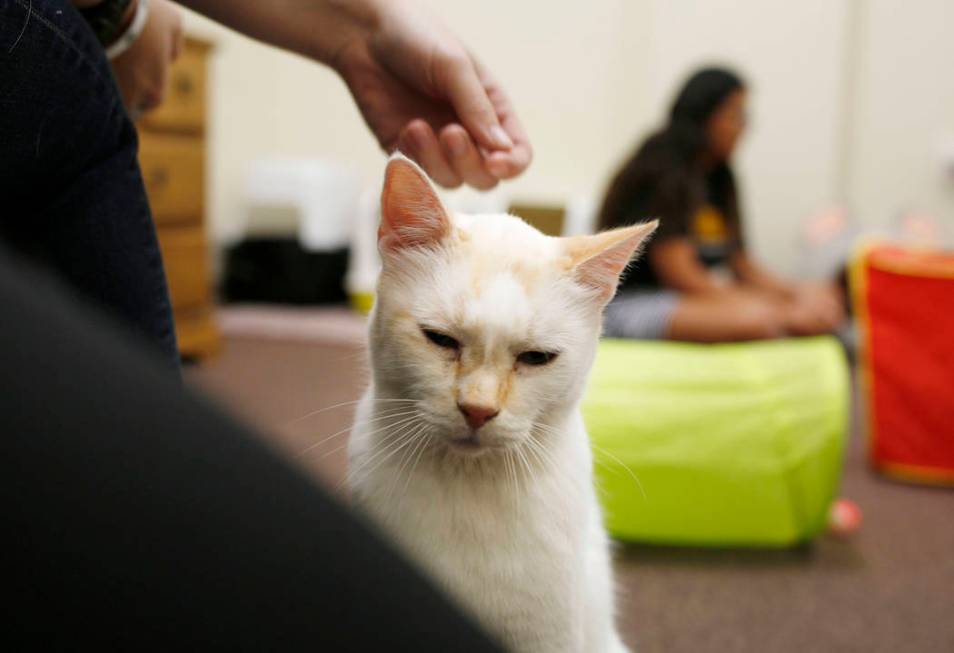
x,y
139,518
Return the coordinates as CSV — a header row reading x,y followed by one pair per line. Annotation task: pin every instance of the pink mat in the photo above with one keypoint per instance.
x,y
334,325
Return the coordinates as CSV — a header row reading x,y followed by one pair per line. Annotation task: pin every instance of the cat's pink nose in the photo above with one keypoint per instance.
x,y
477,416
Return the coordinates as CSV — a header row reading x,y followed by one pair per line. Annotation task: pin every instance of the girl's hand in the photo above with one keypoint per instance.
x,y
816,308
422,92
142,71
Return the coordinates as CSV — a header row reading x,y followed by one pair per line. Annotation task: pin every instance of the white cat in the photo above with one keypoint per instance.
x,y
469,449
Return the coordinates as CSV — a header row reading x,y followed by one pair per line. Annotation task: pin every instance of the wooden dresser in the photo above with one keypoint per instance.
x,y
172,157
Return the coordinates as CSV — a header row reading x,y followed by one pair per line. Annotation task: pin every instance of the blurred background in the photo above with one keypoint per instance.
x,y
851,134
851,102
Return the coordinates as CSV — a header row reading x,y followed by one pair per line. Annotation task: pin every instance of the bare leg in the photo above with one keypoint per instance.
x,y
729,316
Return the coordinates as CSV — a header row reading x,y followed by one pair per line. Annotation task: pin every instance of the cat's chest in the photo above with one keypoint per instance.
x,y
506,528
515,557
510,545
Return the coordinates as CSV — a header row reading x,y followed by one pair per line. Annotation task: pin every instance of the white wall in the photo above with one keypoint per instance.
x,y
904,112
262,102
790,53
848,99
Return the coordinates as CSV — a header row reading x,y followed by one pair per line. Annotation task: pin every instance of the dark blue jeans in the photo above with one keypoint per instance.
x,y
71,193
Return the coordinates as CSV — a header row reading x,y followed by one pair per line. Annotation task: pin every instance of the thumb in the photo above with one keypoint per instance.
x,y
469,98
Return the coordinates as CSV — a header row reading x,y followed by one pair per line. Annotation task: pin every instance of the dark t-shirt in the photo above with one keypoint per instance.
x,y
711,228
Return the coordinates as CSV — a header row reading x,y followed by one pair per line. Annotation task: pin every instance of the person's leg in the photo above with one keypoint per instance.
x,y
728,317
71,194
139,518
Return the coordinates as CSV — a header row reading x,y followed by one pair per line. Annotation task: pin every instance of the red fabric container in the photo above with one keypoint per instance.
x,y
904,301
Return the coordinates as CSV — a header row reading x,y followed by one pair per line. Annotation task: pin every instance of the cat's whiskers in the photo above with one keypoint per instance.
x,y
409,454
424,436
621,464
330,452
531,453
335,450
344,431
546,462
401,431
525,461
539,445
400,440
339,405
544,455
366,422
512,474
395,448
549,429
387,452
392,414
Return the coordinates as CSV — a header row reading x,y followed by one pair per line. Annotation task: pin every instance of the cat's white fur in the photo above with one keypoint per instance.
x,y
504,518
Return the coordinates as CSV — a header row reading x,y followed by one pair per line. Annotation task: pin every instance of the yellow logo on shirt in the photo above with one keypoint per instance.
x,y
709,226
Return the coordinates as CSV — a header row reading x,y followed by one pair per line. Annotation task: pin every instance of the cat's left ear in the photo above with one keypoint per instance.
x,y
599,260
412,214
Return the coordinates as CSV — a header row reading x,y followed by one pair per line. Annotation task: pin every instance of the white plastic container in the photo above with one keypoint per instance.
x,y
315,199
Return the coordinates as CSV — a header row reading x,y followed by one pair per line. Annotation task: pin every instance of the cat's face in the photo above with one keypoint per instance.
x,y
489,325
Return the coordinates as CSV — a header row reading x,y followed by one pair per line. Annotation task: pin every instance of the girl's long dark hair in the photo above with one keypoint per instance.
x,y
666,166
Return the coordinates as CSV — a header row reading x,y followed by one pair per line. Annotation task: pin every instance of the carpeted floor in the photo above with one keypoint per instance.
x,y
888,588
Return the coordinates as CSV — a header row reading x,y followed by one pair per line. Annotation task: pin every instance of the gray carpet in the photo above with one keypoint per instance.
x,y
888,588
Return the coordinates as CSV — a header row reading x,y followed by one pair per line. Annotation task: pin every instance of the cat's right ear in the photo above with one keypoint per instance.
x,y
412,214
599,260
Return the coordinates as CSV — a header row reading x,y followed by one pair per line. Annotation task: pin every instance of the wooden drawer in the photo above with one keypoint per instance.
x,y
184,106
172,158
186,259
173,169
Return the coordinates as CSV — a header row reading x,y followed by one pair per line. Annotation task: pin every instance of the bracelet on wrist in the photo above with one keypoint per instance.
x,y
128,37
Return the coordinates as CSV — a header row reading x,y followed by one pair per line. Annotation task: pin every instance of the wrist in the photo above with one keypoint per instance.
x,y
343,28
127,17
134,26
781,290
774,287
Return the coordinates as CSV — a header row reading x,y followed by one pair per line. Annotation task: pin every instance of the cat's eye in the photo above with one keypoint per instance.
x,y
441,339
537,357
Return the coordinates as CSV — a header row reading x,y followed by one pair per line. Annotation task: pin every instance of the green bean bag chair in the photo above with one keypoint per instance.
x,y
718,445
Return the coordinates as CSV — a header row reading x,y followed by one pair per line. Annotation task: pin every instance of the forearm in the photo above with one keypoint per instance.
x,y
696,282
677,266
752,274
317,29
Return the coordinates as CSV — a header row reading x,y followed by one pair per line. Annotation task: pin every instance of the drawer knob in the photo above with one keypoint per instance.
x,y
158,178
184,85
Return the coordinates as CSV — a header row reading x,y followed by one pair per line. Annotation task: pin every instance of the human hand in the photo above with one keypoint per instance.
x,y
422,92
816,308
142,71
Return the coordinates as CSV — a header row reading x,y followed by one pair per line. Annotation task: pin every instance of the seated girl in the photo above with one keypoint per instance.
x,y
697,282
